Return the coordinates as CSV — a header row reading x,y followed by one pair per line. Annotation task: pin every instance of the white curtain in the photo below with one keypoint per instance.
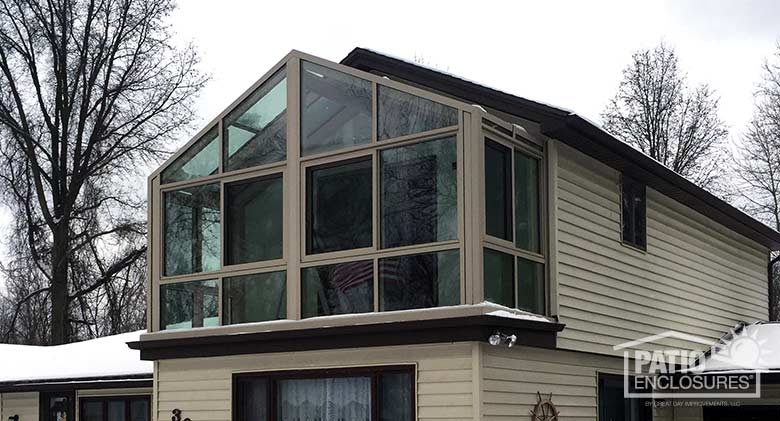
x,y
333,399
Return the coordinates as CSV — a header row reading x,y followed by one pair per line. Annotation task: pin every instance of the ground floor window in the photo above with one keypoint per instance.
x,y
614,406
57,406
354,394
115,408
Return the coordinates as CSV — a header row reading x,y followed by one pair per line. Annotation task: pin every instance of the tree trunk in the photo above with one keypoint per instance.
x,y
59,286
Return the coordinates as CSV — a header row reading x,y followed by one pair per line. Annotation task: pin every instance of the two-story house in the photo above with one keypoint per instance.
x,y
364,240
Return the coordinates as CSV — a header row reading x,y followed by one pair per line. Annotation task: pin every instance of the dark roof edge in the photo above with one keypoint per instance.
x,y
566,126
107,382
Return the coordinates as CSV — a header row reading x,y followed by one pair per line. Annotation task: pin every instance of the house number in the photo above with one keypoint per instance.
x,y
176,415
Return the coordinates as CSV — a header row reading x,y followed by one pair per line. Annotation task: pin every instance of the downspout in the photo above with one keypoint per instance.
x,y
769,273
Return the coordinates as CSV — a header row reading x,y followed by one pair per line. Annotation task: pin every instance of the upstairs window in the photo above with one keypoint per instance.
x,y
192,230
402,114
200,160
634,213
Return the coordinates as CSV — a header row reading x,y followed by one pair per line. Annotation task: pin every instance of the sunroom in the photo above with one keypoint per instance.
x,y
325,193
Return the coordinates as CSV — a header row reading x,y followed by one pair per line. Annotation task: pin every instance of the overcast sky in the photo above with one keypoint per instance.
x,y
567,53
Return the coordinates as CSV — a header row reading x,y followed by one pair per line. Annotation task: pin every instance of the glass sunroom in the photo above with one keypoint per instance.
x,y
324,190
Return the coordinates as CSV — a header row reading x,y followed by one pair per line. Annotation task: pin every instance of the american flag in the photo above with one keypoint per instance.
x,y
352,274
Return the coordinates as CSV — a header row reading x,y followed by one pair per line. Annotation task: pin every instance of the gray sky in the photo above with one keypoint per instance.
x,y
567,53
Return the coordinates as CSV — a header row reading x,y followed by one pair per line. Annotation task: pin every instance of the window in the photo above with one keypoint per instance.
x,y
115,408
401,114
338,206
192,230
254,298
253,227
186,305
501,283
256,130
335,109
419,281
57,406
613,406
200,160
337,289
376,394
634,214
419,193
498,190
527,203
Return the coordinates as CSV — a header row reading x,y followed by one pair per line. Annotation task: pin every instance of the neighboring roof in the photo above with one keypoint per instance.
x,y
106,358
753,347
576,131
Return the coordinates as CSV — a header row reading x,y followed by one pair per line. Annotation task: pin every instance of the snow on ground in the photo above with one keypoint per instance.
x,y
103,357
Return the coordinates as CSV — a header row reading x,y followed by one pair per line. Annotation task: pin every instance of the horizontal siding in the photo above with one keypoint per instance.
x,y
24,404
201,387
696,277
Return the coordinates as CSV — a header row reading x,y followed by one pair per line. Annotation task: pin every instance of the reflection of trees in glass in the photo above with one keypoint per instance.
x,y
419,281
335,109
338,289
201,159
254,220
189,304
401,114
192,230
254,298
256,130
339,207
527,202
419,193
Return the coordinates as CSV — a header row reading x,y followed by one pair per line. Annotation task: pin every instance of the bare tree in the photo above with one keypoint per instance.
x,y
91,92
655,111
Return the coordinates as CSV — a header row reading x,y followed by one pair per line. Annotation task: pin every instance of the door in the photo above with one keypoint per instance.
x,y
742,413
115,408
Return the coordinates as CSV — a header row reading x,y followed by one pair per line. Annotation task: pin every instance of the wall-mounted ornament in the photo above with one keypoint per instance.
x,y
177,415
544,410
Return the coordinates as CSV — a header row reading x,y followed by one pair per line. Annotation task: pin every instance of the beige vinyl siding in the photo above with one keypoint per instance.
x,y
201,387
696,277
24,404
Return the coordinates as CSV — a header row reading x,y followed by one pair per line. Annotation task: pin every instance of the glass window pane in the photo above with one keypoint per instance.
x,y
254,298
346,398
419,193
189,304
252,400
256,130
339,206
498,190
401,114
530,286
59,408
92,411
395,397
337,289
499,278
335,109
116,411
419,281
139,410
527,202
192,230
200,160
254,220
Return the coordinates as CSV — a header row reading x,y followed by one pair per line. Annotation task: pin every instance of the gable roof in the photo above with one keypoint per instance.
x,y
576,131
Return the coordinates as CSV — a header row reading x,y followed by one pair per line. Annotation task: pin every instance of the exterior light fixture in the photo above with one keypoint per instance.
x,y
498,338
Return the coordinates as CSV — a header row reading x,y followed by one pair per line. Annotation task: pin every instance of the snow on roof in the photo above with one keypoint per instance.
x,y
108,356
753,347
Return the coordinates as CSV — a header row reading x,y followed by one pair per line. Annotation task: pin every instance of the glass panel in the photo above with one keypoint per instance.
x,y
401,114
347,398
116,411
189,304
395,397
256,130
59,409
527,202
254,298
200,160
339,206
254,220
92,411
499,278
338,289
192,230
252,400
419,281
530,286
419,193
634,212
335,109
139,410
498,190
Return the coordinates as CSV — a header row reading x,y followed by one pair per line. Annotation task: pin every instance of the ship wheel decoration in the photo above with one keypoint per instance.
x,y
544,410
